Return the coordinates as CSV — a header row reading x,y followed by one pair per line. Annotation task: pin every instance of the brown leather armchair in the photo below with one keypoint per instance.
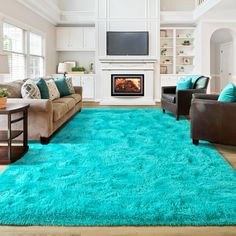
x,y
212,121
179,102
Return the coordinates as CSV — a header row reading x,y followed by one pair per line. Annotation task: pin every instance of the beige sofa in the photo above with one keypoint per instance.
x,y
45,116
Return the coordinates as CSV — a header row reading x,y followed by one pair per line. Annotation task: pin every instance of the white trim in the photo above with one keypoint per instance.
x,y
20,24
44,8
175,17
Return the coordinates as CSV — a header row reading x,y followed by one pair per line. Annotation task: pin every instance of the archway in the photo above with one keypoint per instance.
x,y
221,58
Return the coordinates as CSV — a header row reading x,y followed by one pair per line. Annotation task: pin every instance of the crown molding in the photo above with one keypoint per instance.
x,y
44,8
177,17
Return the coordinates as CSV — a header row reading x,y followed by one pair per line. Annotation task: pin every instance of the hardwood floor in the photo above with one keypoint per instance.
x,y
228,152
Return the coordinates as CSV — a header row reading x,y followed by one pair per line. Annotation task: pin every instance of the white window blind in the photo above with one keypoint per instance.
x,y
13,46
36,59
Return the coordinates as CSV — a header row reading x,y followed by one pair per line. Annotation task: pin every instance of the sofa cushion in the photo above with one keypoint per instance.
x,y
30,90
59,110
62,87
228,94
169,97
184,83
69,102
14,88
75,96
70,85
42,85
52,88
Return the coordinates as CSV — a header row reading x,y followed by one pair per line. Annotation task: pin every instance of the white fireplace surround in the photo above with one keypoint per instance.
x,y
127,66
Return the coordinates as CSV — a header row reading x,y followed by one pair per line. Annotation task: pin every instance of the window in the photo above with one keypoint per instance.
x,y
26,57
36,59
13,46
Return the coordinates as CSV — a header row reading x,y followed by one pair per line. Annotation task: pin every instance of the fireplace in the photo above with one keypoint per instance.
x,y
127,85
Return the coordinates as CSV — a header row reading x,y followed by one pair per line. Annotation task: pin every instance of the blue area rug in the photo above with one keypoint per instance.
x,y
110,167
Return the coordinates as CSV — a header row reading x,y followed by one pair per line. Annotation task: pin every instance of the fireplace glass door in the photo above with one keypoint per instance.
x,y
127,85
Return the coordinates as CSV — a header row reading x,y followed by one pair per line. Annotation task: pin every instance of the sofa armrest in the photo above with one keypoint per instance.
x,y
78,90
169,89
36,105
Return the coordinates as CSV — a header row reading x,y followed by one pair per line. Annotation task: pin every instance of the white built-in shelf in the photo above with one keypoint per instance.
x,y
166,47
185,55
184,38
184,46
163,38
182,57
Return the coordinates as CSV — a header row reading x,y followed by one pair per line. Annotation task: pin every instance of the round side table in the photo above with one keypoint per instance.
x,y
10,153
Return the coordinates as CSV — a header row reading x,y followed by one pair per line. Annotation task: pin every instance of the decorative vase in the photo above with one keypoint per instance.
x,y
3,102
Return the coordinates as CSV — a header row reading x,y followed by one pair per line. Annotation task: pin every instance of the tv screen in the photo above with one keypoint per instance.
x,y
127,43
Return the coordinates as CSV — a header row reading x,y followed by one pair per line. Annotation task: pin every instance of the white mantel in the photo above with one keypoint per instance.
x,y
127,66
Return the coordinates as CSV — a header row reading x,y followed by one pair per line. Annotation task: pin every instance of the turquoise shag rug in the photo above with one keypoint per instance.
x,y
112,167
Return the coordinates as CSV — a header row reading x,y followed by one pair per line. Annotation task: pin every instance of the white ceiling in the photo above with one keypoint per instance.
x,y
83,11
76,5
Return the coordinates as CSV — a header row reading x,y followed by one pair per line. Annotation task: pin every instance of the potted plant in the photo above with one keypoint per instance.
x,y
3,97
186,43
78,69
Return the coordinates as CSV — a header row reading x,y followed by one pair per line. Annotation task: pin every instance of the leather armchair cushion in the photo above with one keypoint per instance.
x,y
169,97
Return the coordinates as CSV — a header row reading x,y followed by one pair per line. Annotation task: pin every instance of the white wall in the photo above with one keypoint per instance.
x,y
206,30
177,5
19,14
219,37
82,58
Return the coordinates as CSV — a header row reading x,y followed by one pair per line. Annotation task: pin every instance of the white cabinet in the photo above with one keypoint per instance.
x,y
86,81
63,38
75,39
89,38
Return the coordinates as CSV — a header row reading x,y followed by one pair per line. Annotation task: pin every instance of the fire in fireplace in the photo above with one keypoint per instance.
x,y
127,85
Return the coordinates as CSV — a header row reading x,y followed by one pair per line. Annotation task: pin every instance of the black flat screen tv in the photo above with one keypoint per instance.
x,y
127,43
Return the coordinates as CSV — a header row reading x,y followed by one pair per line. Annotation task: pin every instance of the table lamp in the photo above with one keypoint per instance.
x,y
63,68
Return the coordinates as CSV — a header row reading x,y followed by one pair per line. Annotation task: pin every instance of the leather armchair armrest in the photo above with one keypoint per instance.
x,y
169,89
185,96
206,96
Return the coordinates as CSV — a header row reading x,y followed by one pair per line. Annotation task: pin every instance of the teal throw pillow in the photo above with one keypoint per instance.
x,y
228,94
184,84
43,88
62,87
194,78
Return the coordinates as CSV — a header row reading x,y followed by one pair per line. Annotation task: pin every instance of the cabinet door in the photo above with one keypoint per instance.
x,y
76,80
76,38
63,39
87,82
89,38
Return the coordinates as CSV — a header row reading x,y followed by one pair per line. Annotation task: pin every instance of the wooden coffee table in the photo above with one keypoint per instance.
x,y
10,152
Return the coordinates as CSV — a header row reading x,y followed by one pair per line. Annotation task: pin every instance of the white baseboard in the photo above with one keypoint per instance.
x,y
127,102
